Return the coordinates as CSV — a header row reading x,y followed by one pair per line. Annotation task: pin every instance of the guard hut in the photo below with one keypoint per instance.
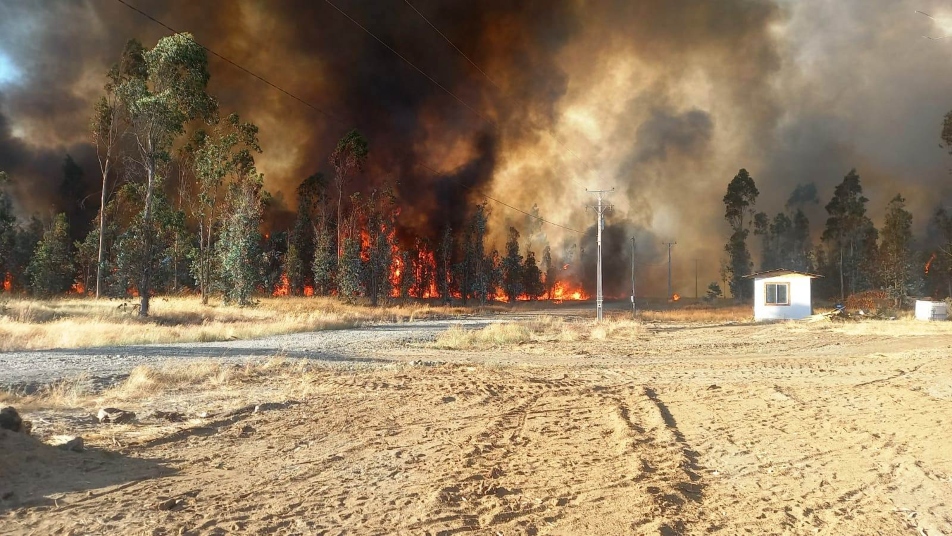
x,y
782,295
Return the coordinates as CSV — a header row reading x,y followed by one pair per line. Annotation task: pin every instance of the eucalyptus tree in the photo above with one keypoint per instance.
x,y
221,159
239,250
850,234
512,280
107,128
348,158
8,230
898,269
740,197
50,269
158,101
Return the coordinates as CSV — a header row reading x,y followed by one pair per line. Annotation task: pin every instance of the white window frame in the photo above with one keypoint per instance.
x,y
784,284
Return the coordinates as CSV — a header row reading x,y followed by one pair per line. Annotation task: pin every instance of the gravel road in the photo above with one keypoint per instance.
x,y
103,365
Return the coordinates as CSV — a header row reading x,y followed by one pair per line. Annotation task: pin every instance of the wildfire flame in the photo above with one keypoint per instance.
x,y
78,288
308,290
561,291
283,287
8,282
675,297
929,264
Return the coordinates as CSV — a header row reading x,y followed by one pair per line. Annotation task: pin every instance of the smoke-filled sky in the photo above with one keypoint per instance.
x,y
663,100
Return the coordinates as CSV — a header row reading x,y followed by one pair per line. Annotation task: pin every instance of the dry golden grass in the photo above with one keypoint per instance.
x,y
493,335
541,329
82,322
733,313
213,378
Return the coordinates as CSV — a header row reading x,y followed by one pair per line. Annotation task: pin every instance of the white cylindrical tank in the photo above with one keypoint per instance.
x,y
931,310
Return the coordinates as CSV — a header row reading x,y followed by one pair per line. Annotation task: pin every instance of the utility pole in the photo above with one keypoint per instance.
x,y
632,277
600,210
669,244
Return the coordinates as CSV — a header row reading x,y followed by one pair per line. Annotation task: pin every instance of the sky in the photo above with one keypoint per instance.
x,y
662,100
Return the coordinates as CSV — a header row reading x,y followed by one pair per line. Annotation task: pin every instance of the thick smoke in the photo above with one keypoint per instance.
x,y
662,100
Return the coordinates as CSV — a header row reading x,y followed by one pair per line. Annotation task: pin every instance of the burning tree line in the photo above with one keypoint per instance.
x,y
182,205
854,256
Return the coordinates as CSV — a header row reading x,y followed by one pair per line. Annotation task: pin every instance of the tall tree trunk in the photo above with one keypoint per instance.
x,y
147,240
102,224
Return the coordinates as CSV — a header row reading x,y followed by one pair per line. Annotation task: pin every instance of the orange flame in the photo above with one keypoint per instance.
x,y
8,282
561,291
308,290
929,264
78,288
675,297
283,288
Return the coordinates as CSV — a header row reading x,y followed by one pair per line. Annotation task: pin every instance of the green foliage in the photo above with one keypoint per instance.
x,y
8,229
238,248
381,227
130,259
713,292
899,272
324,261
443,260
50,269
738,265
310,219
512,281
17,242
786,242
472,271
158,100
294,270
532,277
348,276
220,160
549,270
850,236
741,195
348,157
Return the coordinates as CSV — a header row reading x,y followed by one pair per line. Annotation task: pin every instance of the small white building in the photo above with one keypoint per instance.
x,y
782,295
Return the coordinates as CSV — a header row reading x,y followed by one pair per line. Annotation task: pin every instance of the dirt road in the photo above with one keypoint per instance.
x,y
678,429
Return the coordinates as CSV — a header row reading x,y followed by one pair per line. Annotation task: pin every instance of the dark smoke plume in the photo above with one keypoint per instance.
x,y
664,100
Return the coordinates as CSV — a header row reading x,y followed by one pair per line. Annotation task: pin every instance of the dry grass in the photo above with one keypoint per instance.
x,y
697,313
901,327
80,322
212,378
541,329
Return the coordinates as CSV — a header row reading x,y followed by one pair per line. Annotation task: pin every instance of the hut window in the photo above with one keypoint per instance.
x,y
778,294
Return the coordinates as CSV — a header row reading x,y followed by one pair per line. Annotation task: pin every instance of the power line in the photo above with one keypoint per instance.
x,y
239,67
447,39
337,118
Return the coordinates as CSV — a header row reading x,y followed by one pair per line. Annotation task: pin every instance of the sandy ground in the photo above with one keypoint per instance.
x,y
677,429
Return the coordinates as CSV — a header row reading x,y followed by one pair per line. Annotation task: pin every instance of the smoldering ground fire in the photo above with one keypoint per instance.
x,y
662,100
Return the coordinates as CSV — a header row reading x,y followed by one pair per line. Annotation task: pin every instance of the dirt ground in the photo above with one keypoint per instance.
x,y
676,429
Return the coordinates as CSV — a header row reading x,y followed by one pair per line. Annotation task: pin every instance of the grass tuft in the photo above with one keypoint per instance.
x,y
84,322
